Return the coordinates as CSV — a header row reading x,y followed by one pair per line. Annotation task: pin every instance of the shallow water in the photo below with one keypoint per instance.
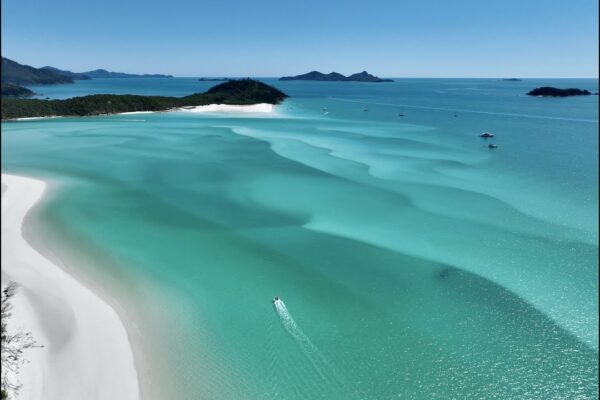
x,y
414,262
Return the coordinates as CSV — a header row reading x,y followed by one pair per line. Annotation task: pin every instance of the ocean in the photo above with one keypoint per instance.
x,y
412,260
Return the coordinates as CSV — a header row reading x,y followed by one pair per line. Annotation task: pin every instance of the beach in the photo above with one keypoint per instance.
x,y
86,353
251,108
260,108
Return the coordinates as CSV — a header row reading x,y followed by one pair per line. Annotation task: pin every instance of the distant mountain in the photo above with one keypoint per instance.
x,y
73,75
335,77
315,76
14,75
102,73
19,74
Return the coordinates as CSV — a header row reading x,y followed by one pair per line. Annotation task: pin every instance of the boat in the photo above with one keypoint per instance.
x,y
400,114
492,146
486,135
276,299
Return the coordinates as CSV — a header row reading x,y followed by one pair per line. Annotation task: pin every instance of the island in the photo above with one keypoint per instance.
x,y
214,79
102,73
233,92
335,77
547,91
512,79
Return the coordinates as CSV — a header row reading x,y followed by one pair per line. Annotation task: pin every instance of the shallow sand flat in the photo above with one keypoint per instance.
x,y
86,353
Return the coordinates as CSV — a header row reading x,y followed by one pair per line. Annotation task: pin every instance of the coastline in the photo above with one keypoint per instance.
x,y
210,108
251,108
86,351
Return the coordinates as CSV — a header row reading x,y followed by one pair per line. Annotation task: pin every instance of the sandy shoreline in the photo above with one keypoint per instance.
x,y
210,108
86,353
252,108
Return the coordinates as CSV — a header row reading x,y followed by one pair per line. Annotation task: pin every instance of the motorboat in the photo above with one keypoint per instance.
x,y
486,135
276,299
493,146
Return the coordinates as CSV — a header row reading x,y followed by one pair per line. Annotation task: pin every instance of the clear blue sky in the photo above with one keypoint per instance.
x,y
417,38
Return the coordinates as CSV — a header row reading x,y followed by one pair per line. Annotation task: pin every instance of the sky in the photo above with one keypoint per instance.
x,y
264,38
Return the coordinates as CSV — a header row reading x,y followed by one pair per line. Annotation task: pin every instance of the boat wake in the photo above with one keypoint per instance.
x,y
314,355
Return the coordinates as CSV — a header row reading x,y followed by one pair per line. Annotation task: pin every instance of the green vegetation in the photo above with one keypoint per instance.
x,y
12,346
241,92
12,90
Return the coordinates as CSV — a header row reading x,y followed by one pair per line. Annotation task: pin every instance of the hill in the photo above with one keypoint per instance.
x,y
239,92
102,73
335,77
73,75
12,90
19,74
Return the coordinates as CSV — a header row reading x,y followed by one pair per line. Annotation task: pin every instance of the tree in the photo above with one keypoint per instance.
x,y
13,345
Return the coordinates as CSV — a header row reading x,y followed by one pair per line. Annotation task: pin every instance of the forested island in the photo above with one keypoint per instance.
x,y
335,77
547,91
234,92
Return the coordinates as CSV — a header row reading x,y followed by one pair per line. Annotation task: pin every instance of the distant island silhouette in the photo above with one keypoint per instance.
x,y
15,75
335,77
547,91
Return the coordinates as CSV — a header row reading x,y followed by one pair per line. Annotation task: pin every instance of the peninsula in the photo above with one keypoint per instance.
x,y
12,90
547,91
234,92
335,77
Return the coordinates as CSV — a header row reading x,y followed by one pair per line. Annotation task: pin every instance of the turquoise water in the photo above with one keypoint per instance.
x,y
413,262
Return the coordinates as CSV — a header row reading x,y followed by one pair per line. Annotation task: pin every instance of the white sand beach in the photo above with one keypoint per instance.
x,y
86,353
252,108
210,108
35,118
